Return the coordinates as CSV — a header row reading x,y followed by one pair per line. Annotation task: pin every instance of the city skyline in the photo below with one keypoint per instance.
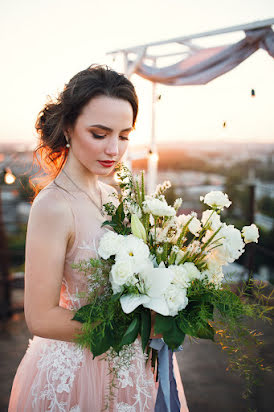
x,y
46,44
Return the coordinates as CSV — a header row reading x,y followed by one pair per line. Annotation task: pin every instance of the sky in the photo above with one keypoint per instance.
x,y
44,43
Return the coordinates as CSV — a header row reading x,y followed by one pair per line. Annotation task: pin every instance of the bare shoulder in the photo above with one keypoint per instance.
x,y
52,208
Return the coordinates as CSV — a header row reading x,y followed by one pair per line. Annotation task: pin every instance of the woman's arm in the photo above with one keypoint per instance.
x,y
50,226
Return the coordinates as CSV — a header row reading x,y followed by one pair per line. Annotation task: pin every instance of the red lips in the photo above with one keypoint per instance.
x,y
107,163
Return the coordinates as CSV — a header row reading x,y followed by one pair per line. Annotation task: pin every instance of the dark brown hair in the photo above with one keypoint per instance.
x,y
96,80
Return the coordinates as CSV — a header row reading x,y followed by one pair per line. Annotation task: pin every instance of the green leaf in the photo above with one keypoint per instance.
x,y
131,332
162,323
145,327
109,223
168,327
120,212
102,342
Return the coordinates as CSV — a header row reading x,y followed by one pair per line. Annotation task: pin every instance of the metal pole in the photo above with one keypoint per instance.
x,y
152,156
250,247
126,158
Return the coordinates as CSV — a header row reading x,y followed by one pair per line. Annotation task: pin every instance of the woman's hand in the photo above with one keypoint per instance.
x,y
152,333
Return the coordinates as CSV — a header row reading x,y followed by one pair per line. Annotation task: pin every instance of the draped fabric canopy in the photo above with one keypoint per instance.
x,y
206,64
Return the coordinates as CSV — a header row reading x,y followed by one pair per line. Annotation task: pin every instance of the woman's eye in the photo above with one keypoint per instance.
x,y
97,136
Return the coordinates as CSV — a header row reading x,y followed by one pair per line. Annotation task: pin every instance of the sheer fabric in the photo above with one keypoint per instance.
x,y
58,376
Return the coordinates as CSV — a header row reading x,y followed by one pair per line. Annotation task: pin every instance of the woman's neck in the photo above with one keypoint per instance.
x,y
80,176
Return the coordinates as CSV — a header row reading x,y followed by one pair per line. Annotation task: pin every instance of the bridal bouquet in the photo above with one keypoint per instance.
x,y
150,259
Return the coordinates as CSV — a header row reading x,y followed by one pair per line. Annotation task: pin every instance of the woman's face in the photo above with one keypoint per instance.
x,y
101,133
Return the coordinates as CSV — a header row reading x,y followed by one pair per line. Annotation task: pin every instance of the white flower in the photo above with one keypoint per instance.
x,y
135,209
217,199
126,180
181,253
180,276
157,280
110,243
231,245
213,273
121,272
157,207
162,188
133,249
176,299
185,273
178,203
194,225
250,233
212,218
130,302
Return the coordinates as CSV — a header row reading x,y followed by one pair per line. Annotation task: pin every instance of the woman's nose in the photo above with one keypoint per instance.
x,y
112,147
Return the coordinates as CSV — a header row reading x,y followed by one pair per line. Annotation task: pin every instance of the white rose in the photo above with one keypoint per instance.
x,y
181,277
185,273
176,299
109,244
217,199
250,233
212,218
191,270
121,272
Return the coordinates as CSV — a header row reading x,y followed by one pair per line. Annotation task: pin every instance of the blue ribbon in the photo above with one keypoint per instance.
x,y
167,397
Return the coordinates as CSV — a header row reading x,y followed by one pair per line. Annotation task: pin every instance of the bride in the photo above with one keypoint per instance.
x,y
83,134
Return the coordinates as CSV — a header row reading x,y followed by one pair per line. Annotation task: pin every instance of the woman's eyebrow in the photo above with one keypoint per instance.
x,y
108,129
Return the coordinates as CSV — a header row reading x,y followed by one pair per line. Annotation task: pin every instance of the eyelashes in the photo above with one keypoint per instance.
x,y
98,136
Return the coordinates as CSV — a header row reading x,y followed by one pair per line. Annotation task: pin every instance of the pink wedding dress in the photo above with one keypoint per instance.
x,y
58,376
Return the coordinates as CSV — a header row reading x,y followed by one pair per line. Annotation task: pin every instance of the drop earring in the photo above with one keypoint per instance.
x,y
67,145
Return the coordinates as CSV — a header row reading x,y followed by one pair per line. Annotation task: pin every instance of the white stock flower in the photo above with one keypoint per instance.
x,y
109,244
135,209
217,199
157,207
250,233
212,218
176,299
177,203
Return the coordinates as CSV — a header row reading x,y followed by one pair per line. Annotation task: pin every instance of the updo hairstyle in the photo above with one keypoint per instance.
x,y
56,116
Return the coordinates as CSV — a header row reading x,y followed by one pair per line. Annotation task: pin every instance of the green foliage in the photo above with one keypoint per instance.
x,y
117,221
168,326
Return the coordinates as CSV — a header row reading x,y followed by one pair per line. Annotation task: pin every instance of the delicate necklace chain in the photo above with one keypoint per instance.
x,y
99,208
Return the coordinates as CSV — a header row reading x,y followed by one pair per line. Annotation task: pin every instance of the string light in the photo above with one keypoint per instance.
x,y
9,178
